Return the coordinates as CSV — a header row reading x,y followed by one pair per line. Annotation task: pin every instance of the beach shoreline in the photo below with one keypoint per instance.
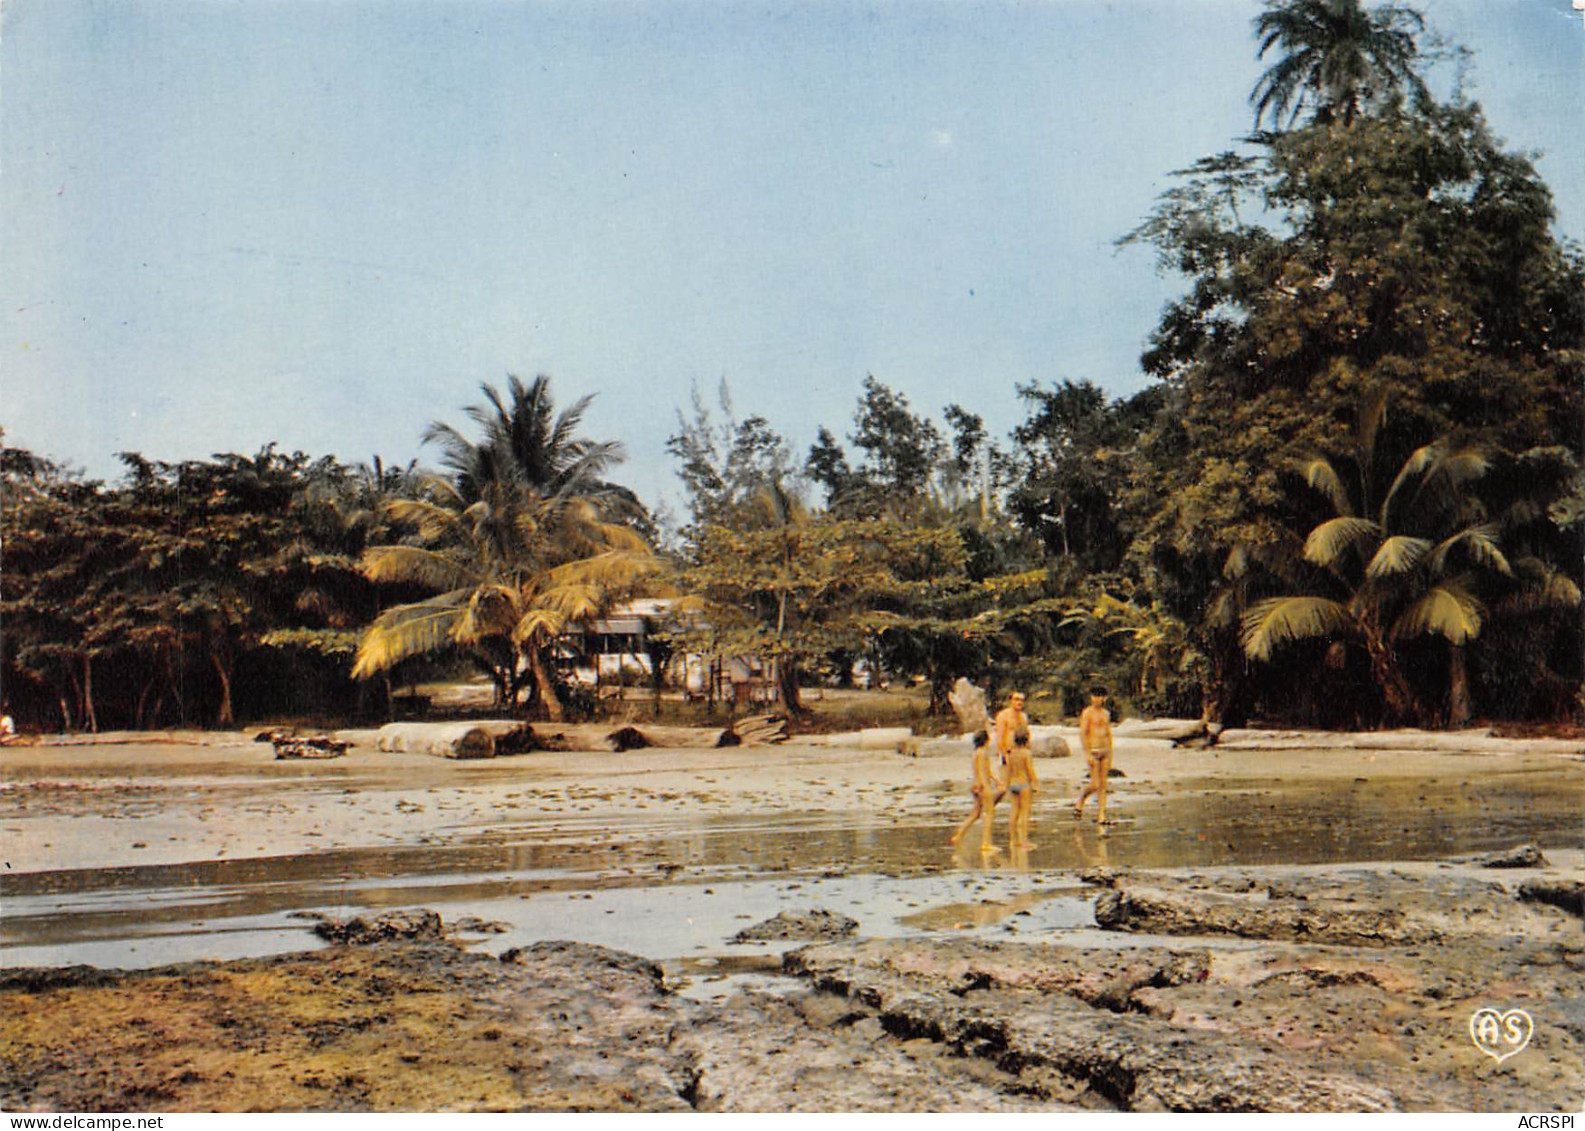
x,y
611,887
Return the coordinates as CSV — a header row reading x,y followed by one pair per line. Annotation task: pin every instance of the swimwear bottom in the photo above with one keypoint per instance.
x,y
1015,790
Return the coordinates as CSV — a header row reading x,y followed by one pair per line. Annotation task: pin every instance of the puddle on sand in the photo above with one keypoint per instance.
x,y
675,890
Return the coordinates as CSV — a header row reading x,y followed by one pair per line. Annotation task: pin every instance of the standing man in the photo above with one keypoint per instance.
x,y
1095,735
1009,721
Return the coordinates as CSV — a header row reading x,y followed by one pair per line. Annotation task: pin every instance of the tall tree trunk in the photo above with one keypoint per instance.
x,y
173,680
1396,693
1458,688
70,705
659,659
1223,699
89,714
787,685
225,717
143,700
545,685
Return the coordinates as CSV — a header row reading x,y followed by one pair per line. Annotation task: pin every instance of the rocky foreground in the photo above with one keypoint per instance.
x,y
1276,989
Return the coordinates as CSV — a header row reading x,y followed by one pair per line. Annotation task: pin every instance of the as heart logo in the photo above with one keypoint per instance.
x,y
1500,1035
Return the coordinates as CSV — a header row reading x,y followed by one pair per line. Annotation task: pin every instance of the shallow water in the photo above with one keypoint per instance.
x,y
677,886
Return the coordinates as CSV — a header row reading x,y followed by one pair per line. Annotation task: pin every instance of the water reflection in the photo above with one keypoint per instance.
x,y
543,876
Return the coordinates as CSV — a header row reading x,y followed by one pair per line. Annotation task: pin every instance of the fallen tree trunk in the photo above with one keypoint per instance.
x,y
568,737
761,730
443,740
671,738
1443,742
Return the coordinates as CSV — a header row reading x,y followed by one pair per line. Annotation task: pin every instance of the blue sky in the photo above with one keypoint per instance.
x,y
227,222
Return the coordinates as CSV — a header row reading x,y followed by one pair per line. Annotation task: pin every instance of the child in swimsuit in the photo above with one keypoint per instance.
x,y
1023,783
987,792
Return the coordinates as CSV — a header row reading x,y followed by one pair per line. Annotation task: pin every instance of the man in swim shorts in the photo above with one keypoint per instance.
x,y
1095,735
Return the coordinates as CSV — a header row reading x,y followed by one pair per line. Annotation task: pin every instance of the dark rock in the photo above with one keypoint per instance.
x,y
359,931
1158,911
1103,877
1524,856
1566,894
816,923
1057,1040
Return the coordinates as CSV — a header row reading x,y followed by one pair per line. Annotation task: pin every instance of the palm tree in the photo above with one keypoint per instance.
x,y
1337,59
1406,568
524,537
526,440
513,569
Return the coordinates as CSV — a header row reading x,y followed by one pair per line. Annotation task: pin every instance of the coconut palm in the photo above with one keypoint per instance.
x,y
1337,59
524,438
522,538
1405,568
513,569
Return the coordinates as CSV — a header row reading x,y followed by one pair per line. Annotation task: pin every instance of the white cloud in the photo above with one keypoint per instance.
x,y
942,138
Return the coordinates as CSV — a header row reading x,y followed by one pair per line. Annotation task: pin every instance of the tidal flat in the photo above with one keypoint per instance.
x,y
1304,928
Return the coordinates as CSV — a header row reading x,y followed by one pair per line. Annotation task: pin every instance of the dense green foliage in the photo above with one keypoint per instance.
x,y
180,595
1350,492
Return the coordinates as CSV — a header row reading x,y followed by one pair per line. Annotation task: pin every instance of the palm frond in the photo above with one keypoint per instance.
x,y
610,570
538,624
407,630
1328,542
1544,588
1279,620
1413,467
1237,563
1465,465
1323,477
433,569
433,520
1397,555
1479,543
1448,611
1372,415
1439,478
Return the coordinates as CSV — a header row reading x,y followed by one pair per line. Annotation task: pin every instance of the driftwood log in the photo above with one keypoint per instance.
x,y
443,740
761,730
1418,741
643,736
637,736
311,746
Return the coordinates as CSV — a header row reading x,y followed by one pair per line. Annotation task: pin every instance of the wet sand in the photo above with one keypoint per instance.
x,y
190,851
139,855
